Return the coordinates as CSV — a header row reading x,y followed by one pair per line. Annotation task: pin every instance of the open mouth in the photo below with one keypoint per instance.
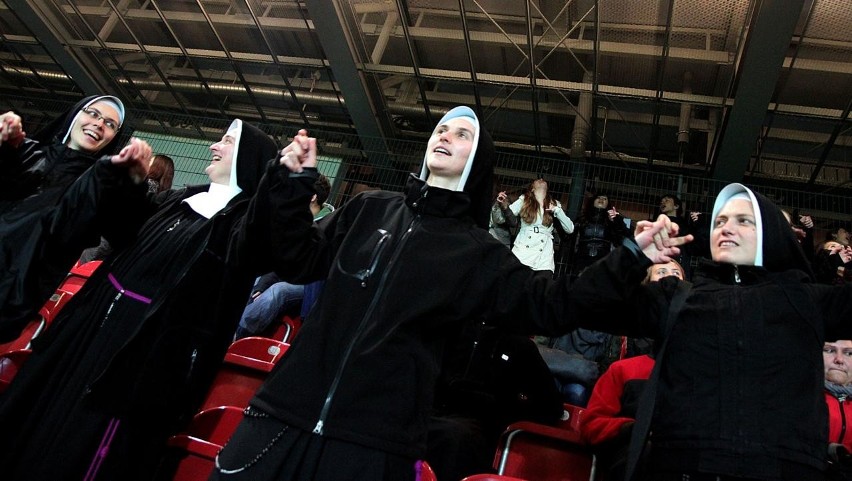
x,y
728,244
92,134
441,150
216,158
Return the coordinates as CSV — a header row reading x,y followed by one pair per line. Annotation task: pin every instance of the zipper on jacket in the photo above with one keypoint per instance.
x,y
737,275
840,401
318,429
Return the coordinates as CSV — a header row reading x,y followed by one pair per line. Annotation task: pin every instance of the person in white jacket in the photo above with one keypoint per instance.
x,y
537,210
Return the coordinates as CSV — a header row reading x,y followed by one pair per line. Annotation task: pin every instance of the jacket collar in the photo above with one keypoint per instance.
x,y
435,201
729,273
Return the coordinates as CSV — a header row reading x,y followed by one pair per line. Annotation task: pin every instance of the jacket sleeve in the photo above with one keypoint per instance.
x,y
19,167
600,421
619,230
102,201
610,297
16,159
279,232
563,218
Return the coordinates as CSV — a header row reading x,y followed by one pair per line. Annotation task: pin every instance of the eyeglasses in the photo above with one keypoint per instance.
x,y
108,122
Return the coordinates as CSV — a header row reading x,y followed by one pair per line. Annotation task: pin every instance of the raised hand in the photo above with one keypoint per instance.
x,y
11,129
806,221
301,153
658,239
136,157
503,200
612,213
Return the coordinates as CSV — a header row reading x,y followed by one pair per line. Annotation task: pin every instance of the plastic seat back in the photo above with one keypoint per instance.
x,y
193,452
245,367
287,329
543,453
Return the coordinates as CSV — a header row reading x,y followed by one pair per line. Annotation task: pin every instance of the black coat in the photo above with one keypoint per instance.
x,y
109,356
34,178
740,387
405,272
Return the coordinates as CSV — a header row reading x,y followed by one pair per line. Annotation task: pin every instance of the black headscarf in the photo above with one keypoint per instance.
x,y
256,149
55,131
478,176
777,247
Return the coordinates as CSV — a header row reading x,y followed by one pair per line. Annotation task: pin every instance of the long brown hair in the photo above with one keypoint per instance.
x,y
530,208
162,171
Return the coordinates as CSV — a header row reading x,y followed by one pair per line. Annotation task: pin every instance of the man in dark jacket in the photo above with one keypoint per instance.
x,y
35,173
352,398
132,354
739,390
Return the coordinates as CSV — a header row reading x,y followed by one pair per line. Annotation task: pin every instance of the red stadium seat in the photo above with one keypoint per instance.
x,y
78,276
197,458
426,472
195,450
286,330
571,417
245,367
72,283
543,453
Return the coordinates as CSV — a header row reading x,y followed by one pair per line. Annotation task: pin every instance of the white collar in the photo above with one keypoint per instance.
x,y
215,199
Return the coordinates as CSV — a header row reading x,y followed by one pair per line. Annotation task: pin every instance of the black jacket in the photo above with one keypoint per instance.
x,y
33,180
740,389
405,272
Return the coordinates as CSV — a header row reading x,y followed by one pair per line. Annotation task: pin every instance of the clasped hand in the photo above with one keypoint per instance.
x,y
300,153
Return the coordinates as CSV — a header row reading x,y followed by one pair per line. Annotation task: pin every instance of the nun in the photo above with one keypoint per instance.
x,y
35,173
129,358
406,272
737,388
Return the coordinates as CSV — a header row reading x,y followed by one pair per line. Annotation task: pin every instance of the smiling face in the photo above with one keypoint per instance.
x,y
94,127
734,236
447,152
219,169
601,202
837,357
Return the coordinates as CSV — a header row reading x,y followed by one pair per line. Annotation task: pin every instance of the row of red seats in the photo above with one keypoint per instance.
x,y
14,353
246,365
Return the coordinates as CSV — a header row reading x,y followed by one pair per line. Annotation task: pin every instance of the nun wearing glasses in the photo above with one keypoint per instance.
x,y
35,174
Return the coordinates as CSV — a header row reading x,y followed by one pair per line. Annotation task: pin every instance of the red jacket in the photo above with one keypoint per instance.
x,y
839,419
612,404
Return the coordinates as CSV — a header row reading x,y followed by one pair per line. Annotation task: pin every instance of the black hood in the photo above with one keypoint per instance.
x,y
255,150
778,248
54,132
478,178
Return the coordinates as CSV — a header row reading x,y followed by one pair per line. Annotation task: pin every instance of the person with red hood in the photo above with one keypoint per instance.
x,y
737,388
352,398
